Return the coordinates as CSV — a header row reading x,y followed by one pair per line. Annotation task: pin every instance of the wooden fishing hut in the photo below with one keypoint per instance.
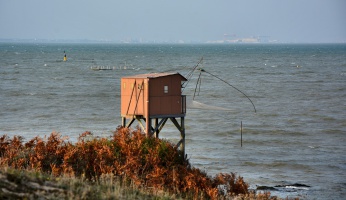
x,y
154,96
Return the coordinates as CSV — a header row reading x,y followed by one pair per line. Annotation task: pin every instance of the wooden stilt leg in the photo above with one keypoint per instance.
x,y
148,127
123,122
156,132
182,135
181,128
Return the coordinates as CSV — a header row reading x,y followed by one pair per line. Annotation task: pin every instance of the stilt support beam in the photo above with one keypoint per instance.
x,y
181,128
158,126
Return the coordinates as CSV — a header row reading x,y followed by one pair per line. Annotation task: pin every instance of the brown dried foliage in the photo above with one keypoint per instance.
x,y
129,155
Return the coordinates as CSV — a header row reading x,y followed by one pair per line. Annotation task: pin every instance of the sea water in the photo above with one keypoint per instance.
x,y
296,135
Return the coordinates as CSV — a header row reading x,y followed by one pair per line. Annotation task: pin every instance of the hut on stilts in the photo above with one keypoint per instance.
x,y
152,99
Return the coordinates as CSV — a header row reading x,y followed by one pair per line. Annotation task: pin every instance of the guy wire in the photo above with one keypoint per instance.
x,y
202,70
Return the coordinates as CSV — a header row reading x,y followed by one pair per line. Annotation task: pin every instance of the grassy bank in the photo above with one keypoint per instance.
x,y
29,184
126,166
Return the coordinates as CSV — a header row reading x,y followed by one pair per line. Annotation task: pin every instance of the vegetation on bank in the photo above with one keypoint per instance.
x,y
95,168
30,184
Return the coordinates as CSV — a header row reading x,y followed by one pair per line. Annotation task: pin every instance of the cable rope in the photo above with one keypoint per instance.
x,y
202,70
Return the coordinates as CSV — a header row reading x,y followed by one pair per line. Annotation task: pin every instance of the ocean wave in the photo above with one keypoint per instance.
x,y
98,68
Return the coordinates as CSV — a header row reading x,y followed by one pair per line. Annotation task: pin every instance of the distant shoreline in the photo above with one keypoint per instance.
x,y
217,42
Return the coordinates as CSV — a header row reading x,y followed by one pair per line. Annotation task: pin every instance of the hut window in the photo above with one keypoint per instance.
x,y
165,89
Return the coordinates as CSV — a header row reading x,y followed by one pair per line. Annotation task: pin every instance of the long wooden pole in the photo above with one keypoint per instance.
x,y
241,133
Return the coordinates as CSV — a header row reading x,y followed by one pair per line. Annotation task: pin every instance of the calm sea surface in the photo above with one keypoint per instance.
x,y
297,135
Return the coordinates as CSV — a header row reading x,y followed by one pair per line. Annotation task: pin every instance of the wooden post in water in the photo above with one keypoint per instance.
x,y
241,133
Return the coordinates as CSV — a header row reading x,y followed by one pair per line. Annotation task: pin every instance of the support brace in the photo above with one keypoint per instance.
x,y
158,126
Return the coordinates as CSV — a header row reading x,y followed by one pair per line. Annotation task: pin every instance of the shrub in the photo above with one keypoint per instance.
x,y
129,155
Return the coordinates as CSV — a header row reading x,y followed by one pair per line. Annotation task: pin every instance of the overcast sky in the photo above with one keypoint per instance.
x,y
173,20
